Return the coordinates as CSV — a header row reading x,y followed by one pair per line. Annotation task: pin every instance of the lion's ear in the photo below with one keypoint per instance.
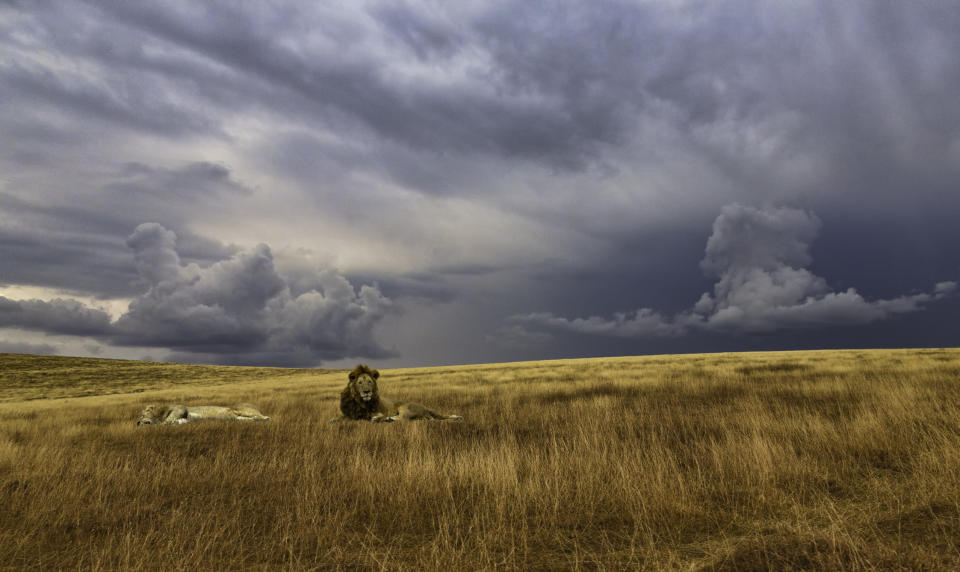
x,y
376,374
352,376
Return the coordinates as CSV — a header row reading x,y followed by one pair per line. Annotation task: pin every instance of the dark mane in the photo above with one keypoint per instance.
x,y
361,369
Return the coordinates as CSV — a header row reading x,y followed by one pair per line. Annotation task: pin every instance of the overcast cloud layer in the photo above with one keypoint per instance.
x,y
453,183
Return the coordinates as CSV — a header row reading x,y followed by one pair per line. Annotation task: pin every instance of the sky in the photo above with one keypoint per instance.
x,y
316,184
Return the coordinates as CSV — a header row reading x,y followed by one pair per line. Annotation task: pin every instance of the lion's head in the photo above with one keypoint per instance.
x,y
363,383
360,398
148,415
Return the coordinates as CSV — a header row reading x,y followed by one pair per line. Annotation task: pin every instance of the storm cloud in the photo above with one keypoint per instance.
x,y
239,310
570,157
56,316
26,348
54,241
759,256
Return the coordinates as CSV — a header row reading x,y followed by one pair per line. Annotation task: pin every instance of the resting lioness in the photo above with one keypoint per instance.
x,y
175,414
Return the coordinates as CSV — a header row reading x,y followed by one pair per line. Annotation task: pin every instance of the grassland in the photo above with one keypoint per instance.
x,y
809,460
25,377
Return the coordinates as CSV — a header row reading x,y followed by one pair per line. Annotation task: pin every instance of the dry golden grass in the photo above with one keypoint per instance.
x,y
26,377
805,460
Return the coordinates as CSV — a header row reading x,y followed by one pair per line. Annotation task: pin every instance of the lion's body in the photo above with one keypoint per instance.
x,y
361,400
175,414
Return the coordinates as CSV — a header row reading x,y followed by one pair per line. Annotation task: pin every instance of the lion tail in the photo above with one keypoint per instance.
x,y
441,417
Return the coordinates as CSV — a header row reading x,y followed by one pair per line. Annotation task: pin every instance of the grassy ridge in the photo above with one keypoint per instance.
x,y
24,377
806,460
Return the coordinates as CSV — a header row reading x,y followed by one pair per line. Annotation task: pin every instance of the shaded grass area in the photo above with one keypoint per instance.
x,y
723,462
25,377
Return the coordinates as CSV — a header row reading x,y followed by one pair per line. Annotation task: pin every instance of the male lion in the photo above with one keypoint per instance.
x,y
361,400
174,414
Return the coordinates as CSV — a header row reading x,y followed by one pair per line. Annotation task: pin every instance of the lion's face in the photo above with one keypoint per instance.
x,y
364,384
147,415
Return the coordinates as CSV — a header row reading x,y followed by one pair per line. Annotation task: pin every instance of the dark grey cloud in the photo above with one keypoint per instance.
x,y
59,240
146,58
154,251
242,305
39,256
428,35
412,90
438,284
565,86
639,323
421,285
96,87
238,310
126,104
26,348
134,191
184,184
57,316
759,258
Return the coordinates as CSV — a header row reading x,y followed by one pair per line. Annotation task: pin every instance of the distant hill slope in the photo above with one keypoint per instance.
x,y
26,377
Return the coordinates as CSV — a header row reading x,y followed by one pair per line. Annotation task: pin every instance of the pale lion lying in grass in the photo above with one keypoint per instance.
x,y
174,414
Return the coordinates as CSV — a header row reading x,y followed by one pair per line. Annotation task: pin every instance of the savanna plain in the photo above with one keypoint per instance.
x,y
833,460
